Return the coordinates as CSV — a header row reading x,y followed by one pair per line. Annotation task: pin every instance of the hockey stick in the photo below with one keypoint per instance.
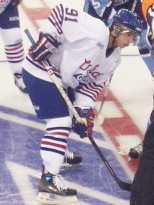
x,y
123,185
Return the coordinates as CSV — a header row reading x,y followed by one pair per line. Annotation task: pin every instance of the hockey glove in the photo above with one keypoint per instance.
x,y
82,129
16,2
43,48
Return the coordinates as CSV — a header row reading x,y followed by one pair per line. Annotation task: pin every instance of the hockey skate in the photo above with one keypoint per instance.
x,y
71,159
53,191
19,82
136,151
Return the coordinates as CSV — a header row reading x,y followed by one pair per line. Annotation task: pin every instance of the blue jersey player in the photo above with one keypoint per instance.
x,y
102,9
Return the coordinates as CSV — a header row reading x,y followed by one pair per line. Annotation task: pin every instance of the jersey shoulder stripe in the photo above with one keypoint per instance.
x,y
56,17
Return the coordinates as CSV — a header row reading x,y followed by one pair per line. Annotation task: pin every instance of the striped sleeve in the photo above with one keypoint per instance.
x,y
91,90
56,18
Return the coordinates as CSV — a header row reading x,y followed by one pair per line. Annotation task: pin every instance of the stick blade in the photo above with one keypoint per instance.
x,y
125,185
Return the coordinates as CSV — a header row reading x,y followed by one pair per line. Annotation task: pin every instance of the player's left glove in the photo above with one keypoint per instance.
x,y
16,2
44,47
82,129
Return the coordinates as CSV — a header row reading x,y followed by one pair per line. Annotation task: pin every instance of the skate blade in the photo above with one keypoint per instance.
x,y
70,166
65,169
52,199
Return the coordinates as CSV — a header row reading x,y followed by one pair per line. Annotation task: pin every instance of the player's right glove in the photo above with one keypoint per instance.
x,y
81,129
44,47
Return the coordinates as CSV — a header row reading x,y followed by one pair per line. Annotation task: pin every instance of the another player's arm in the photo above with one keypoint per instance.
x,y
3,5
150,20
148,13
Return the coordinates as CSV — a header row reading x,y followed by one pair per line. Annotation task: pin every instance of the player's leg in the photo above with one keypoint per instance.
x,y
71,158
13,45
147,56
53,148
49,105
143,184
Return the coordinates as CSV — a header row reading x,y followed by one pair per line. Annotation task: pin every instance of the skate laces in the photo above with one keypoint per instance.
x,y
138,148
69,155
59,182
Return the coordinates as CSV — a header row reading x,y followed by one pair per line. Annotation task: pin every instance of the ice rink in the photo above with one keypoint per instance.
x,y
120,126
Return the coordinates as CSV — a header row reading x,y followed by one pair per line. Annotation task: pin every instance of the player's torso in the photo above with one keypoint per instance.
x,y
88,63
83,51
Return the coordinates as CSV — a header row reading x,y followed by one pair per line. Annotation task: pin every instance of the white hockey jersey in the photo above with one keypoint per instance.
x,y
81,59
3,5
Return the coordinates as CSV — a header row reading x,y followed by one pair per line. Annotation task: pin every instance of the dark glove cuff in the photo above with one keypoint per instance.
x,y
15,2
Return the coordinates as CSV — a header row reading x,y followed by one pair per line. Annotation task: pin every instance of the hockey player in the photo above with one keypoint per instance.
x,y
148,14
143,184
85,60
11,36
